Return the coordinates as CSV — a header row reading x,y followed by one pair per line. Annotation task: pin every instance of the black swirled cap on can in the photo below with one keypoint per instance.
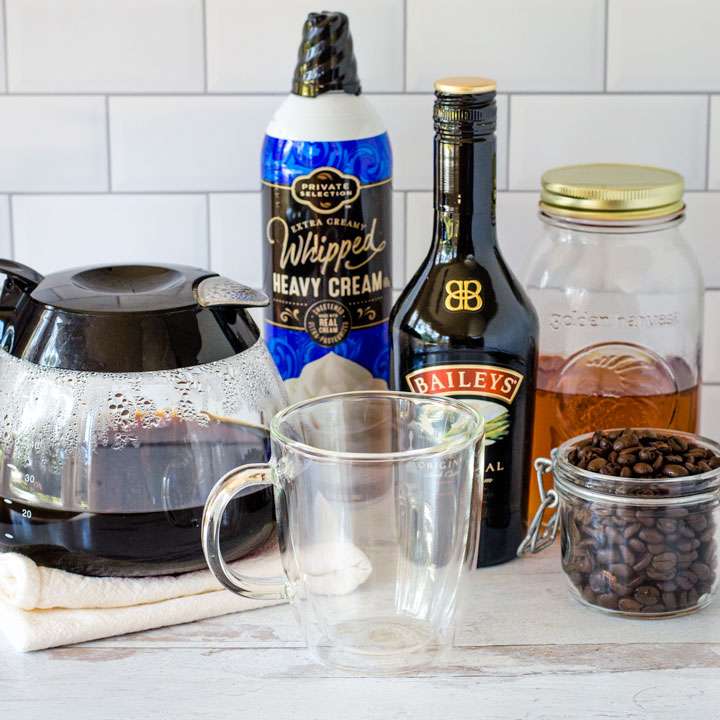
x,y
464,106
326,60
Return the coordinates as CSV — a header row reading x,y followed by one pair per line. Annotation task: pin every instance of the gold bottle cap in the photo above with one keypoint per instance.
x,y
465,85
609,191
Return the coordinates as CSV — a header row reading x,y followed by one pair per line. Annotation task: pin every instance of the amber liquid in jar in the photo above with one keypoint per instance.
x,y
598,401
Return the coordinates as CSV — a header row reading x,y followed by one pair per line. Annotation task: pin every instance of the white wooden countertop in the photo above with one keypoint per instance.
x,y
524,649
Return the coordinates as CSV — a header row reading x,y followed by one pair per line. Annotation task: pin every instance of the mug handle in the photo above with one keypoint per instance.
x,y
224,492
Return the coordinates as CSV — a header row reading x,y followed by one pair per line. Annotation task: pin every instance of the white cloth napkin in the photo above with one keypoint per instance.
x,y
43,607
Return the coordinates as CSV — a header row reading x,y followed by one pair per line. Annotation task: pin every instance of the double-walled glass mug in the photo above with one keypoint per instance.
x,y
378,500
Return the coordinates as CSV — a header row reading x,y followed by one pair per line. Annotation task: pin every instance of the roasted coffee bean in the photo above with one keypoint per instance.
x,y
667,525
624,572
650,536
596,464
697,522
642,468
701,570
657,608
661,575
647,595
634,558
665,561
629,605
608,601
686,579
600,581
631,530
637,546
656,548
674,470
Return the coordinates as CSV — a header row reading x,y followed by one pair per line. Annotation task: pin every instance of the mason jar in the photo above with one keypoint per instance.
x,y
632,547
619,295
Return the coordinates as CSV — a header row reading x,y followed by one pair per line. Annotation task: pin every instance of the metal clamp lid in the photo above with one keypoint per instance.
x,y
542,533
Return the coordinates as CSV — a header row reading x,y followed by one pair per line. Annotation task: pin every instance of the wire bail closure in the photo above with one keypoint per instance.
x,y
541,534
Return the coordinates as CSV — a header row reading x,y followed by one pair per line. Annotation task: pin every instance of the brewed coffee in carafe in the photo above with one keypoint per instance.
x,y
151,509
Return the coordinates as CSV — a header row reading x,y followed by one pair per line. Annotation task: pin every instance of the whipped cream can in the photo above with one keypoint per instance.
x,y
327,209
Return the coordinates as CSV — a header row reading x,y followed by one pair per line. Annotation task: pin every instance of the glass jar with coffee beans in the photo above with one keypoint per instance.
x,y
638,513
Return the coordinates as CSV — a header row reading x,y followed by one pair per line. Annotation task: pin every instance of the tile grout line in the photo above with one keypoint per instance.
x,y
404,48
507,144
170,94
204,46
708,140
605,49
11,223
217,191
107,143
5,46
405,239
208,230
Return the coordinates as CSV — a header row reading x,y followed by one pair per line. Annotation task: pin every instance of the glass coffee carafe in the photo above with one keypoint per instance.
x,y
125,393
619,294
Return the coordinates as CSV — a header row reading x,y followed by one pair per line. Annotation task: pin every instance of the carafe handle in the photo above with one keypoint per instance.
x,y
24,276
227,488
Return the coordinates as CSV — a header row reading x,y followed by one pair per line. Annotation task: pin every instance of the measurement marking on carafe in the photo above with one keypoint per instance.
x,y
9,536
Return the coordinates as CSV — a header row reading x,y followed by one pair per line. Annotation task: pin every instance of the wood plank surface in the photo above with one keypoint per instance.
x,y
524,649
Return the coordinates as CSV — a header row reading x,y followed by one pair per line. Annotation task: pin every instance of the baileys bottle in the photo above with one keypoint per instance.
x,y
326,194
464,327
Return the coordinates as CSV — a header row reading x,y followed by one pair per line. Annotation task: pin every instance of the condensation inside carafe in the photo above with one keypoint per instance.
x,y
110,473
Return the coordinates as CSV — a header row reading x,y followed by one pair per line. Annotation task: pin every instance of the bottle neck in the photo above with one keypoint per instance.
x,y
464,201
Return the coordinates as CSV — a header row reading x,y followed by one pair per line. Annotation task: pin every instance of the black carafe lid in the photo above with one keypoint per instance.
x,y
125,318
326,60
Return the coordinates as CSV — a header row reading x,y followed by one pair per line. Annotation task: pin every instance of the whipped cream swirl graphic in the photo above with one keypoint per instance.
x,y
331,374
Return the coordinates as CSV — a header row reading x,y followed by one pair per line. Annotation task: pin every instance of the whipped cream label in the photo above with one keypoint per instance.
x,y
331,267
327,210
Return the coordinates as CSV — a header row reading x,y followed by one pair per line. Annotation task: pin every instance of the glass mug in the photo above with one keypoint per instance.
x,y
378,499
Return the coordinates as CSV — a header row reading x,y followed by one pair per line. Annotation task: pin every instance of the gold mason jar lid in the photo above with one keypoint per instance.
x,y
610,191
465,85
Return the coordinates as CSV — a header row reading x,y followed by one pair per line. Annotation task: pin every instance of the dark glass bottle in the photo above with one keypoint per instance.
x,y
463,326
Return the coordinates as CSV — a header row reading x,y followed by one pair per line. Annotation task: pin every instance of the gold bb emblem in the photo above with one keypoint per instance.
x,y
463,295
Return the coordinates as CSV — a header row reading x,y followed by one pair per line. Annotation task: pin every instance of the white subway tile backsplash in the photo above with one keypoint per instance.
x,y
526,45
236,237
6,249
398,240
188,143
418,230
714,149
702,230
55,232
52,144
408,119
711,349
3,55
710,411
550,130
113,45
517,229
251,50
663,45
